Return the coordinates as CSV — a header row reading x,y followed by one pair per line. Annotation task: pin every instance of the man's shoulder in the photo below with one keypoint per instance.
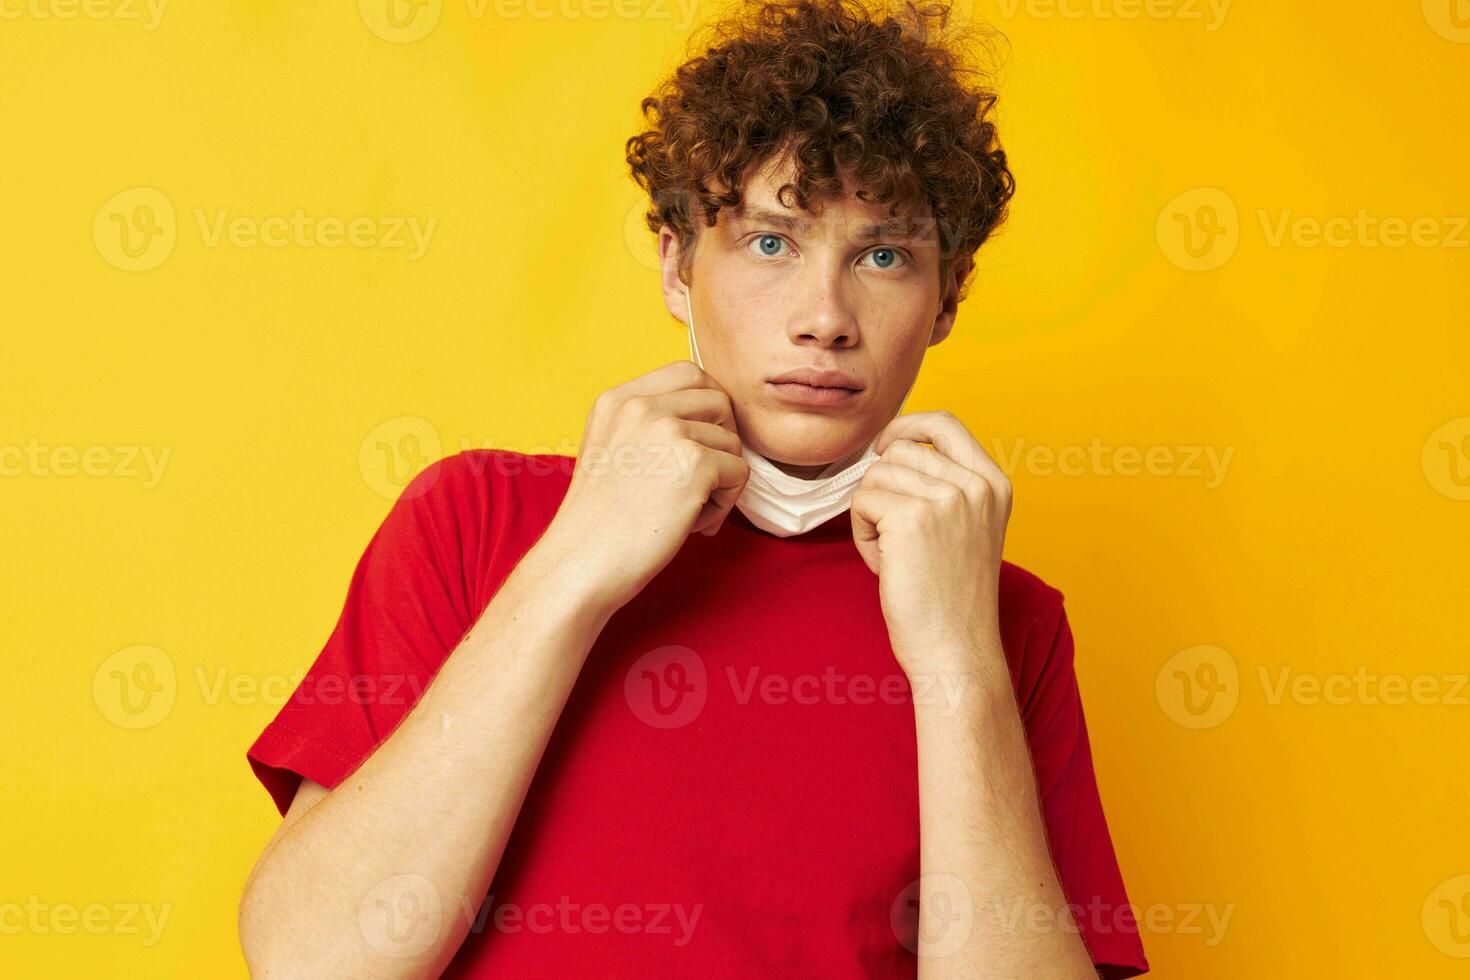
x,y
1024,593
505,462
1037,640
493,501
492,472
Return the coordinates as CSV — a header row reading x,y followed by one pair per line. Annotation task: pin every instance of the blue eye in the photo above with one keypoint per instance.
x,y
892,257
768,244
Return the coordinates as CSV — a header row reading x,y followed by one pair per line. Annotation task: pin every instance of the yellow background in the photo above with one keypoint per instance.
x,y
1334,544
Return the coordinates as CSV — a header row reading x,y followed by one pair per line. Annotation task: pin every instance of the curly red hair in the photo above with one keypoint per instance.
x,y
892,104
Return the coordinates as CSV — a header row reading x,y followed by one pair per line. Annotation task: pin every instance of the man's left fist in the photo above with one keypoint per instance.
x,y
930,521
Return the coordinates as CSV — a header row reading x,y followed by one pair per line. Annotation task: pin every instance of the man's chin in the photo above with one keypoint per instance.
x,y
808,442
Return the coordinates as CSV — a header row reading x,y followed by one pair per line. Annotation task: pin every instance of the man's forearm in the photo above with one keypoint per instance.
x,y
987,869
421,825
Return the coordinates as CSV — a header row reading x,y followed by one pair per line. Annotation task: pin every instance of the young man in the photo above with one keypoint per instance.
x,y
832,735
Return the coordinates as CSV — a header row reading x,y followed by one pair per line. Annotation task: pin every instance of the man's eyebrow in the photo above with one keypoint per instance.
x,y
760,215
895,227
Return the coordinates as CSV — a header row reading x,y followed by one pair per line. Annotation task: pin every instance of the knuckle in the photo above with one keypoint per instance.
x,y
636,407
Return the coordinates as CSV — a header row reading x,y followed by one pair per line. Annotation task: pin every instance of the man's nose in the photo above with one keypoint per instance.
x,y
825,311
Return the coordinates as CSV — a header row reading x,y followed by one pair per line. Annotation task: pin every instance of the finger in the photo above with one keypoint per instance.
x,y
671,377
711,435
695,404
931,468
729,473
870,507
949,436
885,474
721,440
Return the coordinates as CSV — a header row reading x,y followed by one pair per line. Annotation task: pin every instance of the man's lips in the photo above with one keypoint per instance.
x,y
805,394
813,378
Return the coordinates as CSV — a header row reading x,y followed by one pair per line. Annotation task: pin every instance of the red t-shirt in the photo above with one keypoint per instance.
x,y
731,790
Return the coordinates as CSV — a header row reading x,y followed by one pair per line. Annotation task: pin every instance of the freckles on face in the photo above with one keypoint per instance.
x,y
845,287
793,302
822,297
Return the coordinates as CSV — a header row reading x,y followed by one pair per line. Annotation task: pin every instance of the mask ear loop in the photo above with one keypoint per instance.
x,y
693,344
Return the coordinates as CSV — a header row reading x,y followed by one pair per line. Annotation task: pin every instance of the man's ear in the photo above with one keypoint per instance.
x,y
669,261
949,302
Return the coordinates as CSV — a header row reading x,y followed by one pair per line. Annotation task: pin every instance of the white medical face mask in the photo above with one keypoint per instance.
x,y
785,505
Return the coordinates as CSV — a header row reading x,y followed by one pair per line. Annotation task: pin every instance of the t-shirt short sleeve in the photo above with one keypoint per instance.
x,y
407,608
1077,830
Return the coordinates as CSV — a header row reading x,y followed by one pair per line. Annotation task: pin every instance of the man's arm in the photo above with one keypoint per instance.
x,y
929,518
421,825
983,839
384,875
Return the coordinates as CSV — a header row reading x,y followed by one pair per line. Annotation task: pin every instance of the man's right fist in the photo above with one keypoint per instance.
x,y
660,458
